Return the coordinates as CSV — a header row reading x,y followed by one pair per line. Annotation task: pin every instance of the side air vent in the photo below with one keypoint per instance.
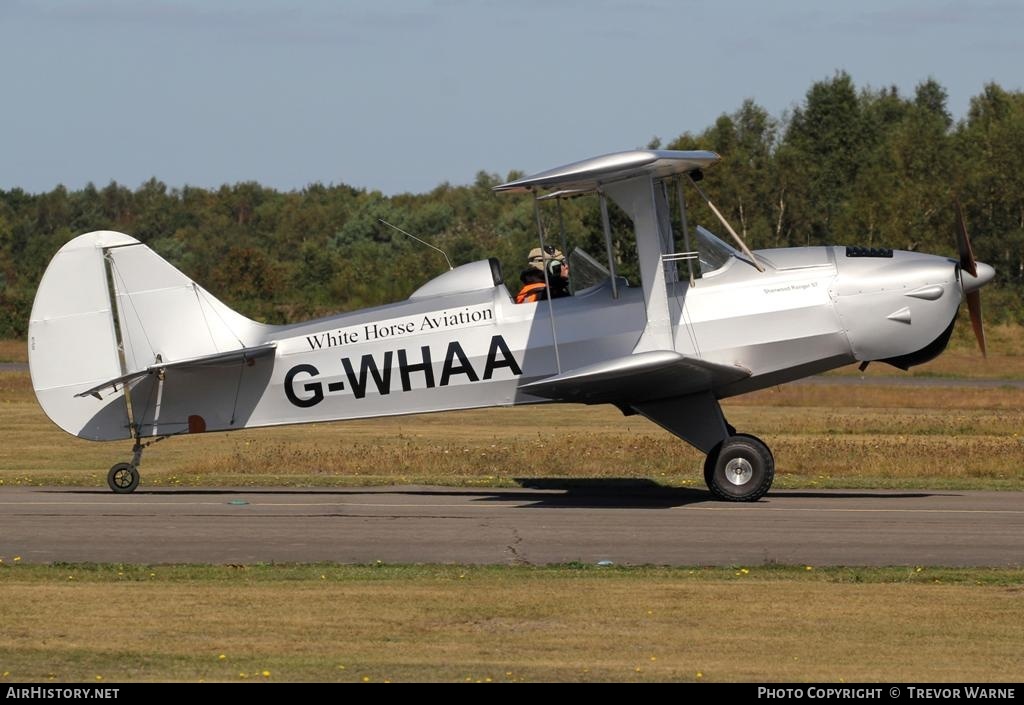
x,y
868,252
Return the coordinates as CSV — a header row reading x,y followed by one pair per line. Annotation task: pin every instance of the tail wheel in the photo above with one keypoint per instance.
x,y
740,469
123,478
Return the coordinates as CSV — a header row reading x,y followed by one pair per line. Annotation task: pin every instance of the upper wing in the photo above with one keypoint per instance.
x,y
590,174
641,377
240,355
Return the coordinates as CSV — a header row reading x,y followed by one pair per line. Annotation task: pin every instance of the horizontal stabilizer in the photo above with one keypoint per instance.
x,y
230,356
640,377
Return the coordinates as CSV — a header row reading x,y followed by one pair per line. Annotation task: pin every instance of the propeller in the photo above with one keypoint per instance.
x,y
972,291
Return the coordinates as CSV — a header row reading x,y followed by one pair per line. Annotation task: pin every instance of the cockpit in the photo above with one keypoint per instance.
x,y
667,254
710,255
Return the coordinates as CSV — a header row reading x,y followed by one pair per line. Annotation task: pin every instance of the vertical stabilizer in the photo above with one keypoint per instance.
x,y
109,306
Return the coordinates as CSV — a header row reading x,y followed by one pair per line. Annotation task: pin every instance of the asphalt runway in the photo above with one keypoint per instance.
x,y
588,522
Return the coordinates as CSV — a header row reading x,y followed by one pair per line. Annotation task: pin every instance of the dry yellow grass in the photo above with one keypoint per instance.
x,y
326,623
13,351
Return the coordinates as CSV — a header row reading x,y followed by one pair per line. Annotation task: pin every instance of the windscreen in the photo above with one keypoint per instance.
x,y
585,271
713,252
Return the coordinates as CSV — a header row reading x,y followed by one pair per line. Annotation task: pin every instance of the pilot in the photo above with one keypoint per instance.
x,y
534,286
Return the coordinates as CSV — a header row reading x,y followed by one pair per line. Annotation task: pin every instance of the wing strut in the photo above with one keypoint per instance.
x,y
547,285
606,224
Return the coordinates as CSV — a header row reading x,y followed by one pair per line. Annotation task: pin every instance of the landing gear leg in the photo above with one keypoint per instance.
x,y
740,468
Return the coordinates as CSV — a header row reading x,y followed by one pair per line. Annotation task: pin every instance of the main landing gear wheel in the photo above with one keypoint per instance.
x,y
740,469
123,478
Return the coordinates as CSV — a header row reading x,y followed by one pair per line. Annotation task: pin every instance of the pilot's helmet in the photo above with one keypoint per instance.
x,y
552,256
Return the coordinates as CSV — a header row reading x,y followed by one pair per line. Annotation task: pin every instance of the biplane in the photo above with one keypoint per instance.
x,y
123,346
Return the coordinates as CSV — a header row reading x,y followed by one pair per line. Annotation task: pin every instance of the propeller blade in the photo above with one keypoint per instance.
x,y
974,306
963,244
969,264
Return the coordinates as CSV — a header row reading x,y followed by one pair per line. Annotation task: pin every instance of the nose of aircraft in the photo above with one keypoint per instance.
x,y
900,307
973,283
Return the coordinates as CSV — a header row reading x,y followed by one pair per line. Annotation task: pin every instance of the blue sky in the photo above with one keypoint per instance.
x,y
400,96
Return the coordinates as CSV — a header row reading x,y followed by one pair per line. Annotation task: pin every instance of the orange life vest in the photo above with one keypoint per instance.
x,y
530,293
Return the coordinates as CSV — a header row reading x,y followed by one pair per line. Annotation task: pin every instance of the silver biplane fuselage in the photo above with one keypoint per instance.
x,y
123,345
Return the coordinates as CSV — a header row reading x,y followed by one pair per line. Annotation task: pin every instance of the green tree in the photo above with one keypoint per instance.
x,y
822,143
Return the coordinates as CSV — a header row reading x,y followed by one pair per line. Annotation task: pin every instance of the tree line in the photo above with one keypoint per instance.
x,y
844,166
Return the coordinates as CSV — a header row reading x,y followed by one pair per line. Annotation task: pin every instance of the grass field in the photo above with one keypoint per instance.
x,y
13,351
451,623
